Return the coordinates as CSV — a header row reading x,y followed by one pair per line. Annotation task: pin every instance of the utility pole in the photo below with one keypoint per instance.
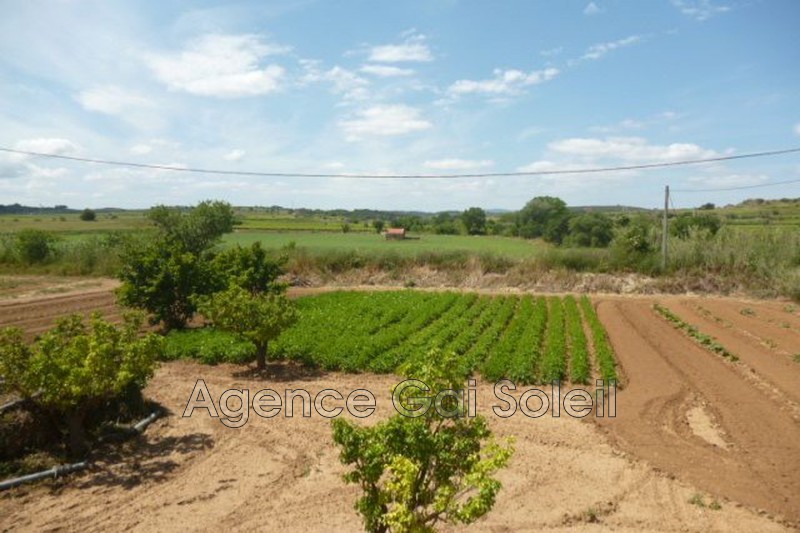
x,y
665,230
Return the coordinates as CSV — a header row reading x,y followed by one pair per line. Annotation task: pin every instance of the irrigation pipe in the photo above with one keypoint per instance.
x,y
53,472
63,470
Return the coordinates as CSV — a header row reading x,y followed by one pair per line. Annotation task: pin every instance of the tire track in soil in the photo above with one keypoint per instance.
x,y
776,368
665,373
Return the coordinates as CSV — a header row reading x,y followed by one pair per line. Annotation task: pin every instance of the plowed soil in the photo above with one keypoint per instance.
x,y
690,425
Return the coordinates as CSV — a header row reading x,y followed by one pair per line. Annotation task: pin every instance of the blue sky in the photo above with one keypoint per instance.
x,y
389,87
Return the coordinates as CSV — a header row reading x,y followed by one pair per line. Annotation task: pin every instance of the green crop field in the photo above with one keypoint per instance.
x,y
374,243
523,338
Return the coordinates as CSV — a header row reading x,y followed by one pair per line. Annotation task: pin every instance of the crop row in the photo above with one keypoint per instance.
x,y
523,338
703,339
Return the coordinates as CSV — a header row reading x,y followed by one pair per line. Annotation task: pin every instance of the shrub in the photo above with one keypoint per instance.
x,y
88,215
417,471
34,246
258,318
76,367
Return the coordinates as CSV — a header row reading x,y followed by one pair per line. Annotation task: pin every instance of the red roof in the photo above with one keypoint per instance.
x,y
396,231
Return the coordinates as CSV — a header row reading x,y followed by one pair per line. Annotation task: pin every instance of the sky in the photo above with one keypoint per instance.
x,y
390,87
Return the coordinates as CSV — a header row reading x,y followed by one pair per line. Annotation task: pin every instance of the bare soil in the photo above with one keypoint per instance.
x,y
690,425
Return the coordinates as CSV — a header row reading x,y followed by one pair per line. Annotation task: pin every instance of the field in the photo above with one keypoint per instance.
x,y
700,441
371,243
524,338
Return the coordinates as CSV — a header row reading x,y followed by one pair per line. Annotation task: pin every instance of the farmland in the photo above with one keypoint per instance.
x,y
194,470
522,338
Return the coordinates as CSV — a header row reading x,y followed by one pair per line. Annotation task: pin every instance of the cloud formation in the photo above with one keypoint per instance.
x,y
384,121
223,66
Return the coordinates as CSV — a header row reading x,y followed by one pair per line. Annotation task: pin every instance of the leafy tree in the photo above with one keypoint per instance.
x,y
88,215
162,276
591,229
544,216
378,225
251,268
474,220
444,224
708,206
34,245
197,229
416,472
259,318
76,367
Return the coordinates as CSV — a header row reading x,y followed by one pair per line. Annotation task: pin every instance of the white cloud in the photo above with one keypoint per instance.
x,y
592,9
224,66
342,80
504,82
458,164
141,149
386,71
729,180
596,51
550,52
797,129
413,49
700,9
629,150
385,120
56,146
234,155
111,100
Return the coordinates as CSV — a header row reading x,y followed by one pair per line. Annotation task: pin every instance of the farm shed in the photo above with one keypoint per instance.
x,y
395,233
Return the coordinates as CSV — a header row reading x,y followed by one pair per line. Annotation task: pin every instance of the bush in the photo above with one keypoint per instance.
x,y
258,318
34,246
88,215
593,230
75,368
209,346
419,469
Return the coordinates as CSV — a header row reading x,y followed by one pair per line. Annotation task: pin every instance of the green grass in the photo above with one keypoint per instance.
x,y
500,336
371,243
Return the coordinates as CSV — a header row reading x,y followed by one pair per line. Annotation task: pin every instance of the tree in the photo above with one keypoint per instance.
x,y
418,469
251,268
76,367
34,245
88,215
443,224
378,225
544,216
474,220
594,230
162,275
259,318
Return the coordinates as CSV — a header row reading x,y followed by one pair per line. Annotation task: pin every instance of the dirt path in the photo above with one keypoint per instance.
x,y
667,376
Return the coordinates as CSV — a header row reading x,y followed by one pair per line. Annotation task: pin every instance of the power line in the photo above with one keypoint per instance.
x,y
772,184
410,176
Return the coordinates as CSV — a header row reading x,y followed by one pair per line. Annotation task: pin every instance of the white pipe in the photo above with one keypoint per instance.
x,y
53,472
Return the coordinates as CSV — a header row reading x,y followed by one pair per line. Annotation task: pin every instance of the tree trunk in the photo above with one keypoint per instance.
x,y
261,356
77,433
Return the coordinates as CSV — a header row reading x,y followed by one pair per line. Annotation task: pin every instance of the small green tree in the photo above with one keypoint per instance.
x,y
544,216
474,220
251,268
88,215
162,276
34,245
418,471
378,225
590,229
259,318
76,367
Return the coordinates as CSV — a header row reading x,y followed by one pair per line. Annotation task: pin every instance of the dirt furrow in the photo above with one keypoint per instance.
x,y
665,371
